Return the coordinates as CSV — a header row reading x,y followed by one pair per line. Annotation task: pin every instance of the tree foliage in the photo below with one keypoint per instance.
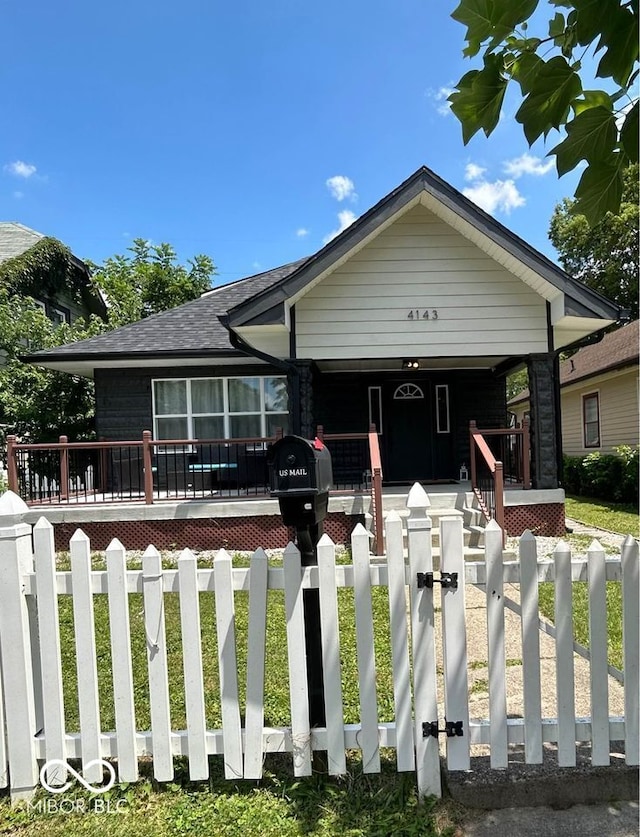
x,y
605,256
150,280
39,404
600,126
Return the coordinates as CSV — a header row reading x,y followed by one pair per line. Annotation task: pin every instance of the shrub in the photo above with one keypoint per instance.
x,y
609,476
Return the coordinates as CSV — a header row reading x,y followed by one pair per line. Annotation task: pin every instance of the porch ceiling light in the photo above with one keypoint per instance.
x,y
410,363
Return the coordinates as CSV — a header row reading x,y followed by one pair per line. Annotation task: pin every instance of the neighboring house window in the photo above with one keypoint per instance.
x,y
591,420
59,316
219,408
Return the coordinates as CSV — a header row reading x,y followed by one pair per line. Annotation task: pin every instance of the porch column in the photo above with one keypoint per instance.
x,y
545,434
301,399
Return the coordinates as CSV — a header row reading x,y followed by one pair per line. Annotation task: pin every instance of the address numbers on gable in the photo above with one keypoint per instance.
x,y
423,314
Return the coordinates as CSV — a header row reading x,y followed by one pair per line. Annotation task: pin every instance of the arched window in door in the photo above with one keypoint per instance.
x,y
408,392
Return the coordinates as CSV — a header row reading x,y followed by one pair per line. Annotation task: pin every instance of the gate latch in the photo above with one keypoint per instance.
x,y
451,729
447,580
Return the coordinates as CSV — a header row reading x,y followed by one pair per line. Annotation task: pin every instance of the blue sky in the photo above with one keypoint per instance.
x,y
250,131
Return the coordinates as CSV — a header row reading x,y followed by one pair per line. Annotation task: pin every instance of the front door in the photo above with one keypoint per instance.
x,y
407,439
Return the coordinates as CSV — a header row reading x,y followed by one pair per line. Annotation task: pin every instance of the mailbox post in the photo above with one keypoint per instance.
x,y
300,477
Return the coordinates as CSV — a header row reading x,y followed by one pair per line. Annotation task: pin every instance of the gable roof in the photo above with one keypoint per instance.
x,y
190,330
194,330
455,209
617,350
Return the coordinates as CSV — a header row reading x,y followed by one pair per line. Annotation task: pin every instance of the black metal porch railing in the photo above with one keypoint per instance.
x,y
154,470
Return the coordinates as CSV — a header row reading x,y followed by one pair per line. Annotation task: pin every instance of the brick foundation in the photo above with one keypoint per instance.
x,y
231,533
546,519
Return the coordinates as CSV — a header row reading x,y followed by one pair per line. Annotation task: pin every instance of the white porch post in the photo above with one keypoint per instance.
x,y
16,559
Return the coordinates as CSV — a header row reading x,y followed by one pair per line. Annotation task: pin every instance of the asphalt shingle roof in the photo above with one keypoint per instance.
x,y
617,349
16,239
192,328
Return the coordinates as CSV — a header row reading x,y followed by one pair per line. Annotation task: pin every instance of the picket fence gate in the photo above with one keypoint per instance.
x,y
33,724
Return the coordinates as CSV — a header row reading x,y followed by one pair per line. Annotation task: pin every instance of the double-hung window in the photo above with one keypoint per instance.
x,y
591,420
219,408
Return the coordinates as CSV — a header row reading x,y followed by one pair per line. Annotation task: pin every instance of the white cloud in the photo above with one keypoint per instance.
x,y
501,196
256,265
473,172
341,187
346,218
301,232
527,164
441,96
20,169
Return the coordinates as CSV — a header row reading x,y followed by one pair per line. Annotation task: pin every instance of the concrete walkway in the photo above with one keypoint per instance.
x,y
542,799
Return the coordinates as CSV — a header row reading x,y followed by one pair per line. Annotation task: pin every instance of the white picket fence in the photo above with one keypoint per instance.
x,y
32,684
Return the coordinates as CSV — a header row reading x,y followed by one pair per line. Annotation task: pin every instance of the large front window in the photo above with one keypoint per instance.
x,y
219,408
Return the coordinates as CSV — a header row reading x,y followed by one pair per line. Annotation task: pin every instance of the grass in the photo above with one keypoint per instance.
x,y
581,615
276,671
280,806
615,517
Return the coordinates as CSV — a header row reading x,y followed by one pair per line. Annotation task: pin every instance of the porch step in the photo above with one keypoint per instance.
x,y
448,503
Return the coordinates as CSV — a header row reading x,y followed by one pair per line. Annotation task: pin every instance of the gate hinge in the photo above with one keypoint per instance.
x,y
447,580
451,729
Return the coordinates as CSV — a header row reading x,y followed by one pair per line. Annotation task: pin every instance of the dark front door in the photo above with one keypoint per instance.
x,y
408,450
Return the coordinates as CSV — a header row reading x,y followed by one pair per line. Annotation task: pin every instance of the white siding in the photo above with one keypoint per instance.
x,y
267,340
419,263
618,401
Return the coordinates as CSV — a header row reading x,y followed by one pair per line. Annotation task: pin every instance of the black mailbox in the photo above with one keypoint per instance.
x,y
301,477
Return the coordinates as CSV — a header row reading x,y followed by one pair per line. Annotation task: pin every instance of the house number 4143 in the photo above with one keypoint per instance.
x,y
426,314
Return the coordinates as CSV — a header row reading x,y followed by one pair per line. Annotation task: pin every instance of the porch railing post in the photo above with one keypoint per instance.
x,y
472,454
526,454
499,489
64,468
147,466
320,432
16,559
12,463
104,468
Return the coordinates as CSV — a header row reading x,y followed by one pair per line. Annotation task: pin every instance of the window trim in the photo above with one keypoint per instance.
x,y
372,418
226,414
586,395
445,387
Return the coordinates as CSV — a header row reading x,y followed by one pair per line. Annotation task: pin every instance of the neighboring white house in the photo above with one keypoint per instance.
x,y
598,394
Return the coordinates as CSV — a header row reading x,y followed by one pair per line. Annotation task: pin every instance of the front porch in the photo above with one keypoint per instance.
x,y
150,490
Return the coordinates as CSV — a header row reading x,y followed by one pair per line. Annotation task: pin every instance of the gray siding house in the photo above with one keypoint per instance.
x,y
410,319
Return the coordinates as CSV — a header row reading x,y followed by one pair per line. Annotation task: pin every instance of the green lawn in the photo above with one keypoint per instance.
x,y
279,806
615,517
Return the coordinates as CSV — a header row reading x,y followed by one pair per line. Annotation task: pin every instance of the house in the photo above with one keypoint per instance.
x,y
410,319
598,394
66,293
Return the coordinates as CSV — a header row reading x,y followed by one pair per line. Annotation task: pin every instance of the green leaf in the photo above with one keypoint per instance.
x,y
591,99
622,48
494,19
591,136
525,70
553,90
599,191
629,134
594,17
476,16
478,99
557,25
